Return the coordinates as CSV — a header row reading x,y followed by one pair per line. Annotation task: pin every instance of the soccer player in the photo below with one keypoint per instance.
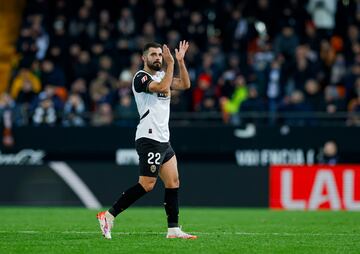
x,y
151,87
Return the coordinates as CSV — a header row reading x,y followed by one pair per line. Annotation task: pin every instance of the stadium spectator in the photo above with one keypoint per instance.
x,y
354,106
313,96
125,111
7,112
327,57
24,100
148,34
172,38
26,79
274,88
253,104
162,23
323,15
179,104
204,86
304,68
263,10
123,54
261,63
27,46
126,24
334,96
180,14
209,103
196,29
45,112
310,37
42,37
329,154
333,103
208,67
6,104
74,110
338,70
236,32
295,105
101,89
50,93
105,21
106,64
230,106
83,68
351,40
124,83
79,87
52,74
218,58
286,42
104,37
352,75
83,27
103,115
27,94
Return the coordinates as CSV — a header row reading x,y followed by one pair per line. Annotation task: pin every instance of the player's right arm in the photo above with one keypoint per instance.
x,y
164,85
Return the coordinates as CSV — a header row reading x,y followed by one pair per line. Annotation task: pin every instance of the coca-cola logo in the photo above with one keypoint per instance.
x,y
23,157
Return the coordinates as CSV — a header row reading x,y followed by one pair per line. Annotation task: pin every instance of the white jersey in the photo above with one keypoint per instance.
x,y
153,108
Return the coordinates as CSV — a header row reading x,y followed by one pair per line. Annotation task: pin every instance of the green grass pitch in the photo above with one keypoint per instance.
x,y
142,230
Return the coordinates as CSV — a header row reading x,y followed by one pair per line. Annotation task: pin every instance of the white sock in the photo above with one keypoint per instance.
x,y
173,230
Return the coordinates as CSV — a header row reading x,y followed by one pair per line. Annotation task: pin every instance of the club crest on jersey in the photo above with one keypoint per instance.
x,y
144,79
152,168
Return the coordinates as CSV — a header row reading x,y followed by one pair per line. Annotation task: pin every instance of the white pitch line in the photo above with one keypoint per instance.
x,y
75,183
198,233
28,232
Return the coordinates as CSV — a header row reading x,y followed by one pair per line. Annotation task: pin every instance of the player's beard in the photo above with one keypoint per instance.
x,y
156,66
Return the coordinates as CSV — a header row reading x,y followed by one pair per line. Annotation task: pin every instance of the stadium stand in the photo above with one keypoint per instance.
x,y
293,63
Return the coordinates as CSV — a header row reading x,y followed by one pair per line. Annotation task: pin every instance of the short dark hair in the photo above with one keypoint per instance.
x,y
151,45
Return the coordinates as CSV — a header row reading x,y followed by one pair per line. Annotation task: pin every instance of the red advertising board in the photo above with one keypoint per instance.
x,y
315,187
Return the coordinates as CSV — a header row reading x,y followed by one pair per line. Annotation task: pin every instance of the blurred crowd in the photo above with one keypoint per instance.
x,y
289,58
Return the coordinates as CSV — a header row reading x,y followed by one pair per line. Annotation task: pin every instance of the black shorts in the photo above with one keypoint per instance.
x,y
152,154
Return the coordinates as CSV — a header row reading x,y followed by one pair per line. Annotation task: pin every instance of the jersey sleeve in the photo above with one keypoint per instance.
x,y
141,82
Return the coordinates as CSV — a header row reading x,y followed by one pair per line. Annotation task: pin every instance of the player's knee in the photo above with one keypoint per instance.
x,y
148,185
173,183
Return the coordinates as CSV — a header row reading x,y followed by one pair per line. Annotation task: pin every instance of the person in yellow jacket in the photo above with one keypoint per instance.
x,y
230,107
24,76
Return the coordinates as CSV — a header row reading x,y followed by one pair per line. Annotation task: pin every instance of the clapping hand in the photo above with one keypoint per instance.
x,y
180,53
168,58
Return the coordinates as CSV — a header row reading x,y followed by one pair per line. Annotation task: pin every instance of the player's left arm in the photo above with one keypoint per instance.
x,y
183,82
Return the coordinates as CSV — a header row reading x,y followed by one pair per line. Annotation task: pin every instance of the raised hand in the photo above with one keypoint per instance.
x,y
168,58
180,53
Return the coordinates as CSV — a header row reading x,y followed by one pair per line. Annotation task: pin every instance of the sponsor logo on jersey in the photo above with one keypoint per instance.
x,y
163,96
